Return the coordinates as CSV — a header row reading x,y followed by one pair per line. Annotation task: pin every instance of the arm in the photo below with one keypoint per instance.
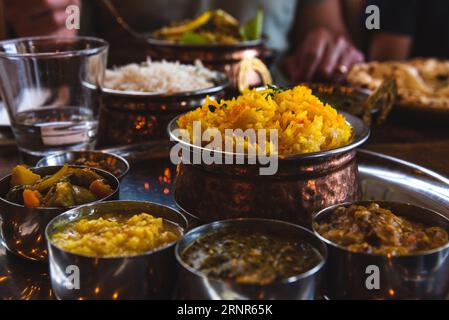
x,y
39,18
324,50
397,28
389,46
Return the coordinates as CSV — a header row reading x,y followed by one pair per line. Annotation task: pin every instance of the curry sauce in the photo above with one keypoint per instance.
x,y
252,258
375,230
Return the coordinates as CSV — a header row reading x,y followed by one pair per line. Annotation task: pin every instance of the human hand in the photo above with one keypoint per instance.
x,y
39,17
322,56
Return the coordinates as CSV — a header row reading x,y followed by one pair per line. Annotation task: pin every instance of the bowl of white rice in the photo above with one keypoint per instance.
x,y
139,99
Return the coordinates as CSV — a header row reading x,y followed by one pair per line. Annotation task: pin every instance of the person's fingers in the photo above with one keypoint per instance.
x,y
349,58
334,51
310,55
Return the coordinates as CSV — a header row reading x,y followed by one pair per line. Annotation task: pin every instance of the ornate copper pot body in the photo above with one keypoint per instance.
x,y
133,117
303,185
220,57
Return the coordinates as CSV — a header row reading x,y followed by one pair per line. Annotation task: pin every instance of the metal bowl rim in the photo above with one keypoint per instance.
x,y
385,202
75,152
360,90
175,45
360,137
201,230
109,175
221,82
144,254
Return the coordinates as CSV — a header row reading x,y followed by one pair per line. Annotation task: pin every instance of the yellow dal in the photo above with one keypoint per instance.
x,y
304,123
115,235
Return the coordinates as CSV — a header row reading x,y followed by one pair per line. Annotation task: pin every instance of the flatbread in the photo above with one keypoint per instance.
x,y
421,82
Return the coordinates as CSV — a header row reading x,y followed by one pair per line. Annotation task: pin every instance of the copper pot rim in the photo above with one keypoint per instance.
x,y
361,134
329,210
154,42
221,82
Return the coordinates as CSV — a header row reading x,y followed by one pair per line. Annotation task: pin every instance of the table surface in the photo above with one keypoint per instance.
x,y
424,141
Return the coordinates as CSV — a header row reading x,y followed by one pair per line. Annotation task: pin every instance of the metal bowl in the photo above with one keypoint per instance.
x,y
303,184
23,229
149,275
418,276
193,284
344,98
131,117
120,164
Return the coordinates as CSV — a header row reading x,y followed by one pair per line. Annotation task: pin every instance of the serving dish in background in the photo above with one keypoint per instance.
x,y
150,275
194,284
303,184
341,97
23,229
422,275
222,57
132,117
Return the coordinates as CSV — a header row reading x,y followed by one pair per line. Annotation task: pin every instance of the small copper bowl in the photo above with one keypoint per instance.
x,y
303,184
221,57
23,229
131,117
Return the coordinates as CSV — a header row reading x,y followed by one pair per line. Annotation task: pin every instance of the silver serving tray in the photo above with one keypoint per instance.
x,y
151,177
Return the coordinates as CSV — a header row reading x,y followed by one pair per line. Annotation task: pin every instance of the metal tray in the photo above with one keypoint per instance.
x,y
151,177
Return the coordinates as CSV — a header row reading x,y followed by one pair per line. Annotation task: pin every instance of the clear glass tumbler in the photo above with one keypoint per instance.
x,y
51,88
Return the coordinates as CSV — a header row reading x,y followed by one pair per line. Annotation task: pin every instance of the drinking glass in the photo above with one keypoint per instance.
x,y
51,87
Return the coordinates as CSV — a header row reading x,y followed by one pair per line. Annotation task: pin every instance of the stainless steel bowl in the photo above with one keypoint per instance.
x,y
303,184
70,157
131,117
417,276
23,229
149,275
195,285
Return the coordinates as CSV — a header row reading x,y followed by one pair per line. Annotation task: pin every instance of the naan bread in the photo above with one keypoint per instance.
x,y
421,82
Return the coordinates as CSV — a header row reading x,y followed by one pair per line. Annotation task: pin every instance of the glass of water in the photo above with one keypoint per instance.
x,y
50,87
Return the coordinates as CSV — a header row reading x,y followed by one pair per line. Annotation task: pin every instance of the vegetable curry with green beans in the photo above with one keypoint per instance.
x,y
250,257
212,27
68,187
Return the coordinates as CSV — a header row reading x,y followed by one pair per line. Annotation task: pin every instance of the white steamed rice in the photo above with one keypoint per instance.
x,y
159,76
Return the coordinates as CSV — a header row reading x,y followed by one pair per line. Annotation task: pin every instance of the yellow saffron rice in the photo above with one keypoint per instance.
x,y
304,123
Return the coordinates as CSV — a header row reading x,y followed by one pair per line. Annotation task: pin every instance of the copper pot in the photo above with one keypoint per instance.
x,y
221,57
132,117
303,184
